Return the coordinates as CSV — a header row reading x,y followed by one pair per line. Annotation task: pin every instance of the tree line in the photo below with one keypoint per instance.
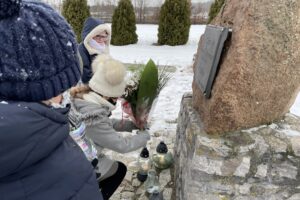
x,y
174,18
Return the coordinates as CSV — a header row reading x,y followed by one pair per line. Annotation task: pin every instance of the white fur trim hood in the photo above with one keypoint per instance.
x,y
98,29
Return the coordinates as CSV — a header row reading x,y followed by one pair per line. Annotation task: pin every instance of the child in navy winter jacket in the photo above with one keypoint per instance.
x,y
38,64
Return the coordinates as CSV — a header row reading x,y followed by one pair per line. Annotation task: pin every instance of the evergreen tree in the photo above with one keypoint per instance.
x,y
76,12
174,22
123,24
215,9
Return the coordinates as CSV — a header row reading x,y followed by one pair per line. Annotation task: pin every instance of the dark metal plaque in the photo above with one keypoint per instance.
x,y
210,53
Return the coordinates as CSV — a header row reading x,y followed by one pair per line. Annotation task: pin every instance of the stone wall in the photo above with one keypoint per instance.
x,y
260,163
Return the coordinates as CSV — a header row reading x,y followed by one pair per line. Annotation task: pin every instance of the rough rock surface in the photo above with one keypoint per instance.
x,y
259,75
260,163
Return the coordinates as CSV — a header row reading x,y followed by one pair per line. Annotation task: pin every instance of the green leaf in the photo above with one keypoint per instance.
x,y
147,91
148,82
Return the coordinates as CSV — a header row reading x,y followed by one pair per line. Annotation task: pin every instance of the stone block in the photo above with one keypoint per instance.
x,y
136,183
239,165
128,176
208,165
213,147
278,145
259,77
243,189
261,147
296,145
128,188
127,195
243,169
230,166
140,191
204,196
261,171
167,193
143,197
284,170
294,197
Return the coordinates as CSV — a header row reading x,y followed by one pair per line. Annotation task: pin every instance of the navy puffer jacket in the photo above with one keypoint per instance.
x,y
38,159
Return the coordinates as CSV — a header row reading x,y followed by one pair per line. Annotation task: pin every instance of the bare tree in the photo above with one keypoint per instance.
x,y
103,9
199,13
140,7
155,14
109,2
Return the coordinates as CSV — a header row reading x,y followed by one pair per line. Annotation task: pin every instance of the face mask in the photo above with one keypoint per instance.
x,y
65,101
96,45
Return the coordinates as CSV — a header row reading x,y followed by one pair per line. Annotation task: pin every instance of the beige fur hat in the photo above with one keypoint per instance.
x,y
109,77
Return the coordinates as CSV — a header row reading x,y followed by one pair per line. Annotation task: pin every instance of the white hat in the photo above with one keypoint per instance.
x,y
99,61
109,77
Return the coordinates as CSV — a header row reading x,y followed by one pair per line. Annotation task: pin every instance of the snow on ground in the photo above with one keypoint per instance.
x,y
167,108
163,55
164,117
295,109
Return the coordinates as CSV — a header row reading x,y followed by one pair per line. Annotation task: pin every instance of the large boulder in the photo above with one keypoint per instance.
x,y
259,77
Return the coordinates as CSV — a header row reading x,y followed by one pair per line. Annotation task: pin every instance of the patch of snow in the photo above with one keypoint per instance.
x,y
24,74
69,43
250,130
290,132
273,126
167,108
295,109
292,115
180,56
165,112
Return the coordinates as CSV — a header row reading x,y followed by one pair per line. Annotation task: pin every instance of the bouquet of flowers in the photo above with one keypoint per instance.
x,y
142,91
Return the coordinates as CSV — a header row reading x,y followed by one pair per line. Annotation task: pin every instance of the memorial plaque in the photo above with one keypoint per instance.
x,y
209,56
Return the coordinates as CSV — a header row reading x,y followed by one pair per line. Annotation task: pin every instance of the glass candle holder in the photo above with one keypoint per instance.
x,y
152,184
162,159
144,164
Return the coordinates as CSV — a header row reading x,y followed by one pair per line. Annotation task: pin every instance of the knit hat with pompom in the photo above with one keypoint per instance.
x,y
38,52
109,77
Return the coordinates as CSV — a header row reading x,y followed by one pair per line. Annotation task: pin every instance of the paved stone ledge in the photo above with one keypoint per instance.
x,y
260,163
